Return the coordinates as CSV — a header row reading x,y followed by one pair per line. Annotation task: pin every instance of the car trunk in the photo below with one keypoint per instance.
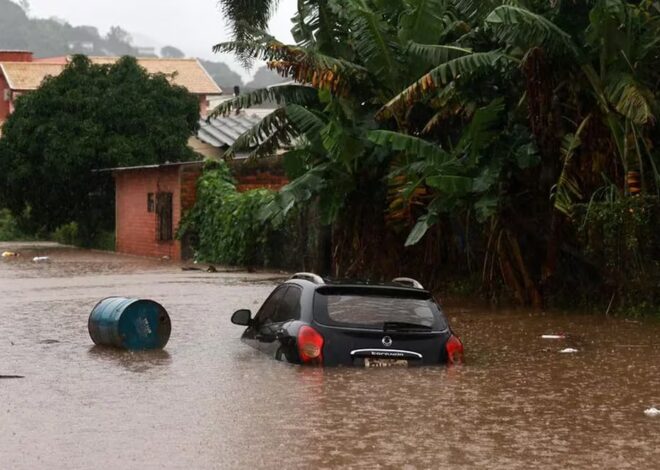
x,y
378,348
380,326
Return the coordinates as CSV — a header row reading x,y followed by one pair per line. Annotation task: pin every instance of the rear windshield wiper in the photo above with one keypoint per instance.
x,y
403,326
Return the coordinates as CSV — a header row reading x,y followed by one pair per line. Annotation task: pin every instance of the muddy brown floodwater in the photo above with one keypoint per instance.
x,y
208,401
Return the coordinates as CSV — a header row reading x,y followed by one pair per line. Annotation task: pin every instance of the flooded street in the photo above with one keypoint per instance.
x,y
209,401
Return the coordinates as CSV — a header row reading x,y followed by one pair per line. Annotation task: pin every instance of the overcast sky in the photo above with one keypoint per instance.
x,y
193,26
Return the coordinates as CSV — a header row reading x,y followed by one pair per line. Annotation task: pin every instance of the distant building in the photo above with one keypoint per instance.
x,y
81,46
21,73
146,51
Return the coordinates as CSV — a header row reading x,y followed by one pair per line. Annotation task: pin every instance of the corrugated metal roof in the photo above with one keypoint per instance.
x,y
150,167
223,131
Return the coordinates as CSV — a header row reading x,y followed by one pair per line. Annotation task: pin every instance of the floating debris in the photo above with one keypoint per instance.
x,y
40,259
133,324
652,412
561,336
568,351
11,377
10,254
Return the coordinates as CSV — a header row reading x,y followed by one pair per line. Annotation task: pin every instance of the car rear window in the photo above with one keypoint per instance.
x,y
371,309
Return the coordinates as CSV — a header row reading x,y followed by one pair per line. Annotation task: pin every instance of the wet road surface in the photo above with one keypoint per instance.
x,y
208,401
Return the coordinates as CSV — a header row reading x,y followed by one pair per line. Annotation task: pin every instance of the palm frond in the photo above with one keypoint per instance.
x,y
567,188
272,133
305,121
425,21
436,55
520,27
373,39
630,98
410,145
444,74
241,14
282,94
279,130
314,25
303,65
482,129
474,11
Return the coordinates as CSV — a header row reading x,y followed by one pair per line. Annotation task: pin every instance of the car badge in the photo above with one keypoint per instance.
x,y
387,341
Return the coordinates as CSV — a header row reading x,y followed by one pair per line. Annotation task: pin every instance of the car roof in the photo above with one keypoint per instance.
x,y
331,284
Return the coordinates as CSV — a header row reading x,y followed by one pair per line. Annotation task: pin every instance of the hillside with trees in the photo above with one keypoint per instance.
x,y
53,37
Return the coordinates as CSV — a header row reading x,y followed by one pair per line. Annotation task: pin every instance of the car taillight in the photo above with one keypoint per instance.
x,y
454,350
310,345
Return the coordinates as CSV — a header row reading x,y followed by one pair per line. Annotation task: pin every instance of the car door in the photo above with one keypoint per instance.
x,y
274,336
254,333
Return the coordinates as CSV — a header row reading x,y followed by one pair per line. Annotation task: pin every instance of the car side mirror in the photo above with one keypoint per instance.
x,y
242,317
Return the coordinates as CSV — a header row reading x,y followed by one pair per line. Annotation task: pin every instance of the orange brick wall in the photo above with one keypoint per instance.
x,y
16,56
261,180
136,228
189,177
5,109
9,56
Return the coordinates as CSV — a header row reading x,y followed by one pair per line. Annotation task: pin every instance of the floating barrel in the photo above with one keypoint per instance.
x,y
135,324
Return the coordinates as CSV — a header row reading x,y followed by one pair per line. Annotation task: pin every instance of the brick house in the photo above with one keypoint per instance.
x,y
21,73
151,200
149,203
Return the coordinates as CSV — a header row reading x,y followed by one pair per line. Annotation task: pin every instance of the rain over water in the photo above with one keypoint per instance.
x,y
209,401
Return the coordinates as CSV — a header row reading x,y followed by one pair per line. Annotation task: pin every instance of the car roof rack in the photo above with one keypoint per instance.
x,y
407,281
315,278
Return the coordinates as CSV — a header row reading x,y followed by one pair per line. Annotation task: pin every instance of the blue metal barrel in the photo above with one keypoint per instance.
x,y
134,324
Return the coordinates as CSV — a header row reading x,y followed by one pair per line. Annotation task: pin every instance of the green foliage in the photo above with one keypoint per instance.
x,y
9,230
477,127
222,75
620,237
88,118
263,78
228,226
67,234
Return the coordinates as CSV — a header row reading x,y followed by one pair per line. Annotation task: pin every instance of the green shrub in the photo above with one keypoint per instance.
x,y
9,230
67,234
104,241
227,225
620,238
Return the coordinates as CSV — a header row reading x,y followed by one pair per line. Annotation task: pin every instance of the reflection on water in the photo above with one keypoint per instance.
x,y
209,401
133,361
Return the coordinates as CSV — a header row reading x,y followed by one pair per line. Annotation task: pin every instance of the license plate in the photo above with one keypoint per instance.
x,y
368,362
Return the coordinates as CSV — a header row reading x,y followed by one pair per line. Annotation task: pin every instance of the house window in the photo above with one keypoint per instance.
x,y
151,204
164,214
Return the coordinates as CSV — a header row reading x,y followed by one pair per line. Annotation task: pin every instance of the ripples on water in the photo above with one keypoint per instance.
x,y
209,401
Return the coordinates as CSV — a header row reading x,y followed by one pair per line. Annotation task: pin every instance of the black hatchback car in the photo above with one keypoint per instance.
x,y
309,320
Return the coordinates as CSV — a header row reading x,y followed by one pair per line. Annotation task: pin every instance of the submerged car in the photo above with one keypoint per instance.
x,y
315,321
